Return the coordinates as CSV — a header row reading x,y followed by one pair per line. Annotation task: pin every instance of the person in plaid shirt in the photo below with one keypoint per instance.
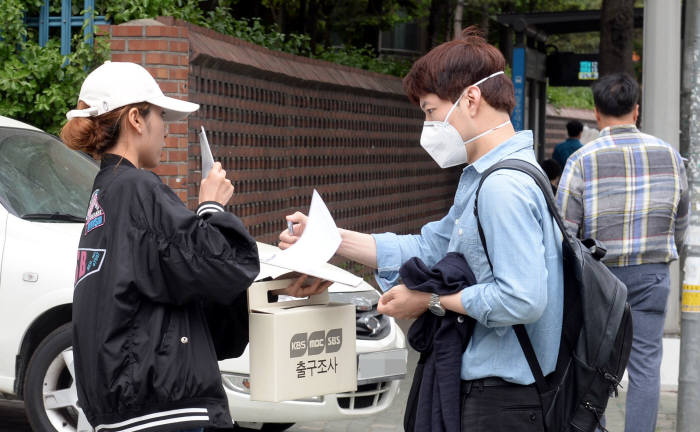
x,y
629,190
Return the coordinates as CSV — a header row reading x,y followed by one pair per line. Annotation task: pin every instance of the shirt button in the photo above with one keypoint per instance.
x,y
460,231
460,319
184,339
456,221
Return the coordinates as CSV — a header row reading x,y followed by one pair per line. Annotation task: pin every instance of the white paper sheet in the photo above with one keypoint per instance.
x,y
323,271
317,245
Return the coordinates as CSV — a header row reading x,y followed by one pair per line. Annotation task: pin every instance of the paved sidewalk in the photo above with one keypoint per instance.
x,y
665,422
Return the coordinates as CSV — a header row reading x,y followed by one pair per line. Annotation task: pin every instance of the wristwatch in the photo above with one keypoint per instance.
x,y
435,306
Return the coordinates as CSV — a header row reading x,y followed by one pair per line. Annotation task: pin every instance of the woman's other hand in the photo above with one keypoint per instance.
x,y
305,286
216,187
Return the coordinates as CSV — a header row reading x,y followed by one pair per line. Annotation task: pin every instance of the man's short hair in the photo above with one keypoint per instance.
x,y
449,68
574,128
616,94
551,168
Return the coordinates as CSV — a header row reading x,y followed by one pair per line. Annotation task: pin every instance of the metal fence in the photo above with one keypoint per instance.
x,y
66,21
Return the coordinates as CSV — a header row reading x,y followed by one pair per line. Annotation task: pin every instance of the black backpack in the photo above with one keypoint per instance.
x,y
596,336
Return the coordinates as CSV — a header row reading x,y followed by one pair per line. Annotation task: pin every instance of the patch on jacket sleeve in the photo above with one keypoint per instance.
x,y
89,262
95,217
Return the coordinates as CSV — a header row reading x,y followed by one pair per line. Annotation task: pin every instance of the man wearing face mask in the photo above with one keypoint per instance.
x,y
467,100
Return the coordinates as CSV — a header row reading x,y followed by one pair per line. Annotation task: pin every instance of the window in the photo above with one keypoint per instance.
x,y
39,174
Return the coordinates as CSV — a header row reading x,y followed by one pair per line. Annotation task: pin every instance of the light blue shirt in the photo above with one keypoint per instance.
x,y
524,242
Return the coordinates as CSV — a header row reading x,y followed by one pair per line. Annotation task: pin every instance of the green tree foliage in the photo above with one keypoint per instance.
x,y
220,18
120,11
354,22
37,84
364,58
570,97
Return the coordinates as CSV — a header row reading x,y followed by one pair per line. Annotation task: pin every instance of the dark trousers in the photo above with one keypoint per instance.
x,y
490,406
648,286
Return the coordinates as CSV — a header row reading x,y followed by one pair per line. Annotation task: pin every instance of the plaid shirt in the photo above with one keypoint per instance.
x,y
628,190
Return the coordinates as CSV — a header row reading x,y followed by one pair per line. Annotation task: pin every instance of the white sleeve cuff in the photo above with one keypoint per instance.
x,y
209,207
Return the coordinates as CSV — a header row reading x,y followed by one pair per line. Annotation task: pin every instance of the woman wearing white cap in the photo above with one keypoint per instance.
x,y
159,290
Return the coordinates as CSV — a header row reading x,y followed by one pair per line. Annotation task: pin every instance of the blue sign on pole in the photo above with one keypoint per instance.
x,y
518,117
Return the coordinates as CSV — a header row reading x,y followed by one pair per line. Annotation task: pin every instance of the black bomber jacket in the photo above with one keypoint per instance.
x,y
159,298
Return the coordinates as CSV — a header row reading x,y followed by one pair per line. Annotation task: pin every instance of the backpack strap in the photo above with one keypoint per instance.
x,y
531,357
540,180
544,185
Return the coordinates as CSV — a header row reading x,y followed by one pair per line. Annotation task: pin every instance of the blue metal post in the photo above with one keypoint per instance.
x,y
90,17
44,23
518,117
66,13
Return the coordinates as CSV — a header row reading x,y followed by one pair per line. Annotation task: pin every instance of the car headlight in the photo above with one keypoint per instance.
x,y
364,301
370,324
236,382
240,383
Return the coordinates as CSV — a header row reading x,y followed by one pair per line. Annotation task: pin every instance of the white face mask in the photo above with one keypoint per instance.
x,y
444,143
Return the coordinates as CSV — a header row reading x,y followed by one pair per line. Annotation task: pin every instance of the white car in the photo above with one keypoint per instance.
x,y
44,190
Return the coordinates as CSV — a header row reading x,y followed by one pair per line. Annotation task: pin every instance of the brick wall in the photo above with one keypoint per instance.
x,y
555,125
283,125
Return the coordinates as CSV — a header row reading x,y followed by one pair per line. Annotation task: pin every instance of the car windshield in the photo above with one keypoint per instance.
x,y
41,178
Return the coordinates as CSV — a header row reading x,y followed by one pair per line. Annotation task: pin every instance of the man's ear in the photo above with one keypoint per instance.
x,y
472,100
135,120
597,116
635,116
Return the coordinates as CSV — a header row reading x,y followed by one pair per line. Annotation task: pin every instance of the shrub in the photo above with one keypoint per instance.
x,y
38,84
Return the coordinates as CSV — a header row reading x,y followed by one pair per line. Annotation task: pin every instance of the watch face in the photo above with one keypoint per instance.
x,y
437,310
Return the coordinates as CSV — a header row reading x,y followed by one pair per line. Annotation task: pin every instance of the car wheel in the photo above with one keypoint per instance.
x,y
50,395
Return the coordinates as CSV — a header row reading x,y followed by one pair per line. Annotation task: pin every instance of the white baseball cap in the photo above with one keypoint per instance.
x,y
117,84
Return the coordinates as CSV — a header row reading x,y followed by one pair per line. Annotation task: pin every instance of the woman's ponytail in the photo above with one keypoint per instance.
x,y
96,135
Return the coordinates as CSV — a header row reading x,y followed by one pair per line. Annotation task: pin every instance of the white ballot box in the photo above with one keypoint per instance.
x,y
300,348
303,347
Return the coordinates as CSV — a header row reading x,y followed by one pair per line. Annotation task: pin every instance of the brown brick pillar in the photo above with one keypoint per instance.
x,y
165,52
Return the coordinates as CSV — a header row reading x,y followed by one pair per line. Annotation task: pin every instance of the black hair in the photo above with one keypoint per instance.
x,y
574,128
616,94
551,168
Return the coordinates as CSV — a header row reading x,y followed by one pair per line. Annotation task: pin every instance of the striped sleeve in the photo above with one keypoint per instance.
x,y
209,207
570,196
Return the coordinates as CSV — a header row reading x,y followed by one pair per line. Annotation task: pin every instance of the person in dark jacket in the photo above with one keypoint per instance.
x,y
564,149
553,171
152,277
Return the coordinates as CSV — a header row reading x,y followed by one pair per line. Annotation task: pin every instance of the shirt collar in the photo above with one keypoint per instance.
x,y
619,129
109,159
521,140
